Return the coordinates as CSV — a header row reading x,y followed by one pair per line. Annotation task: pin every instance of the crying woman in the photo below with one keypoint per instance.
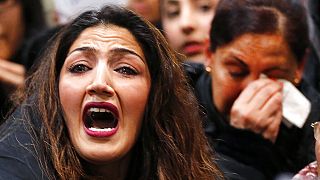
x,y
109,100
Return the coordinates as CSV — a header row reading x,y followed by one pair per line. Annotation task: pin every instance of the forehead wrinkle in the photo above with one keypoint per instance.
x,y
259,43
106,38
85,49
253,46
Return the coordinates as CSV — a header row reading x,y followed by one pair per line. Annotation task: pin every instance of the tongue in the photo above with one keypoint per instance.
x,y
101,120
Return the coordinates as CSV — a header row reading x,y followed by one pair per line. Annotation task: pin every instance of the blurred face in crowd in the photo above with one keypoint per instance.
x,y
149,9
104,86
186,24
11,27
235,65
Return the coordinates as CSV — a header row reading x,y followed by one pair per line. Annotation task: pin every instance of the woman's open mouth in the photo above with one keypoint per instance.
x,y
100,119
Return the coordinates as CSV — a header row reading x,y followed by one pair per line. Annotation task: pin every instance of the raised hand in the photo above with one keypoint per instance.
x,y
259,108
12,73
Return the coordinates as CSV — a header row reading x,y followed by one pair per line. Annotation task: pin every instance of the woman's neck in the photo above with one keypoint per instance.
x,y
114,170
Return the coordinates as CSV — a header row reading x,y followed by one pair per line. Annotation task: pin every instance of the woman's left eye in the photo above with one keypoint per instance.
x,y
205,7
126,70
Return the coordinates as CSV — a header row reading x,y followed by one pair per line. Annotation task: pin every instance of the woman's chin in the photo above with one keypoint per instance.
x,y
101,157
197,58
102,151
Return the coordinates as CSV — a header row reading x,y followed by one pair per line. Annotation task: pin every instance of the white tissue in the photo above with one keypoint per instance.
x,y
295,106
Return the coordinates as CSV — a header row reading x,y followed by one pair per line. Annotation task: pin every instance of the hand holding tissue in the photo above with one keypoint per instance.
x,y
295,106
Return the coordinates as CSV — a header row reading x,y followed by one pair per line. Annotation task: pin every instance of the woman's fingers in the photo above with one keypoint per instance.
x,y
265,94
251,90
272,131
268,111
260,111
12,67
241,113
252,99
12,73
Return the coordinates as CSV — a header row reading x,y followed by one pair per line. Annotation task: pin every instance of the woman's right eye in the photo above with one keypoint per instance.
x,y
172,14
239,74
79,68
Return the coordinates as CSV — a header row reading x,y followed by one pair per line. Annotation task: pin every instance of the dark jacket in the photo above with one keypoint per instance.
x,y
17,150
246,155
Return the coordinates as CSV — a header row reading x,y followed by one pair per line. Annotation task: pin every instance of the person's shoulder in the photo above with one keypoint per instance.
x,y
236,170
193,71
17,164
313,96
17,150
193,68
309,91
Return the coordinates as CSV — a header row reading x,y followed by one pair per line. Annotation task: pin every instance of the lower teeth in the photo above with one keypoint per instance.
x,y
101,130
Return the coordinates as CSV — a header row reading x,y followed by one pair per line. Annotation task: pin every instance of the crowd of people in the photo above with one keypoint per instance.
x,y
19,22
161,89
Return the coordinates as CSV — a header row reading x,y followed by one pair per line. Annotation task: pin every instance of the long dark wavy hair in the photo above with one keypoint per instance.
x,y
171,144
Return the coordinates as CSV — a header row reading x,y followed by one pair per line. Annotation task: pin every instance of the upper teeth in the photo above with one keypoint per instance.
x,y
99,110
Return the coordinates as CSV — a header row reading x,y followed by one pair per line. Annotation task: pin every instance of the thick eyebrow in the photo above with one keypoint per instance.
x,y
175,2
276,69
126,51
86,49
118,50
239,61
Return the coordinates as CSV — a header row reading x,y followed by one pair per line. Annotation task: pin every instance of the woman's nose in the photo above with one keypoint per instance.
x,y
101,84
100,89
187,29
187,22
